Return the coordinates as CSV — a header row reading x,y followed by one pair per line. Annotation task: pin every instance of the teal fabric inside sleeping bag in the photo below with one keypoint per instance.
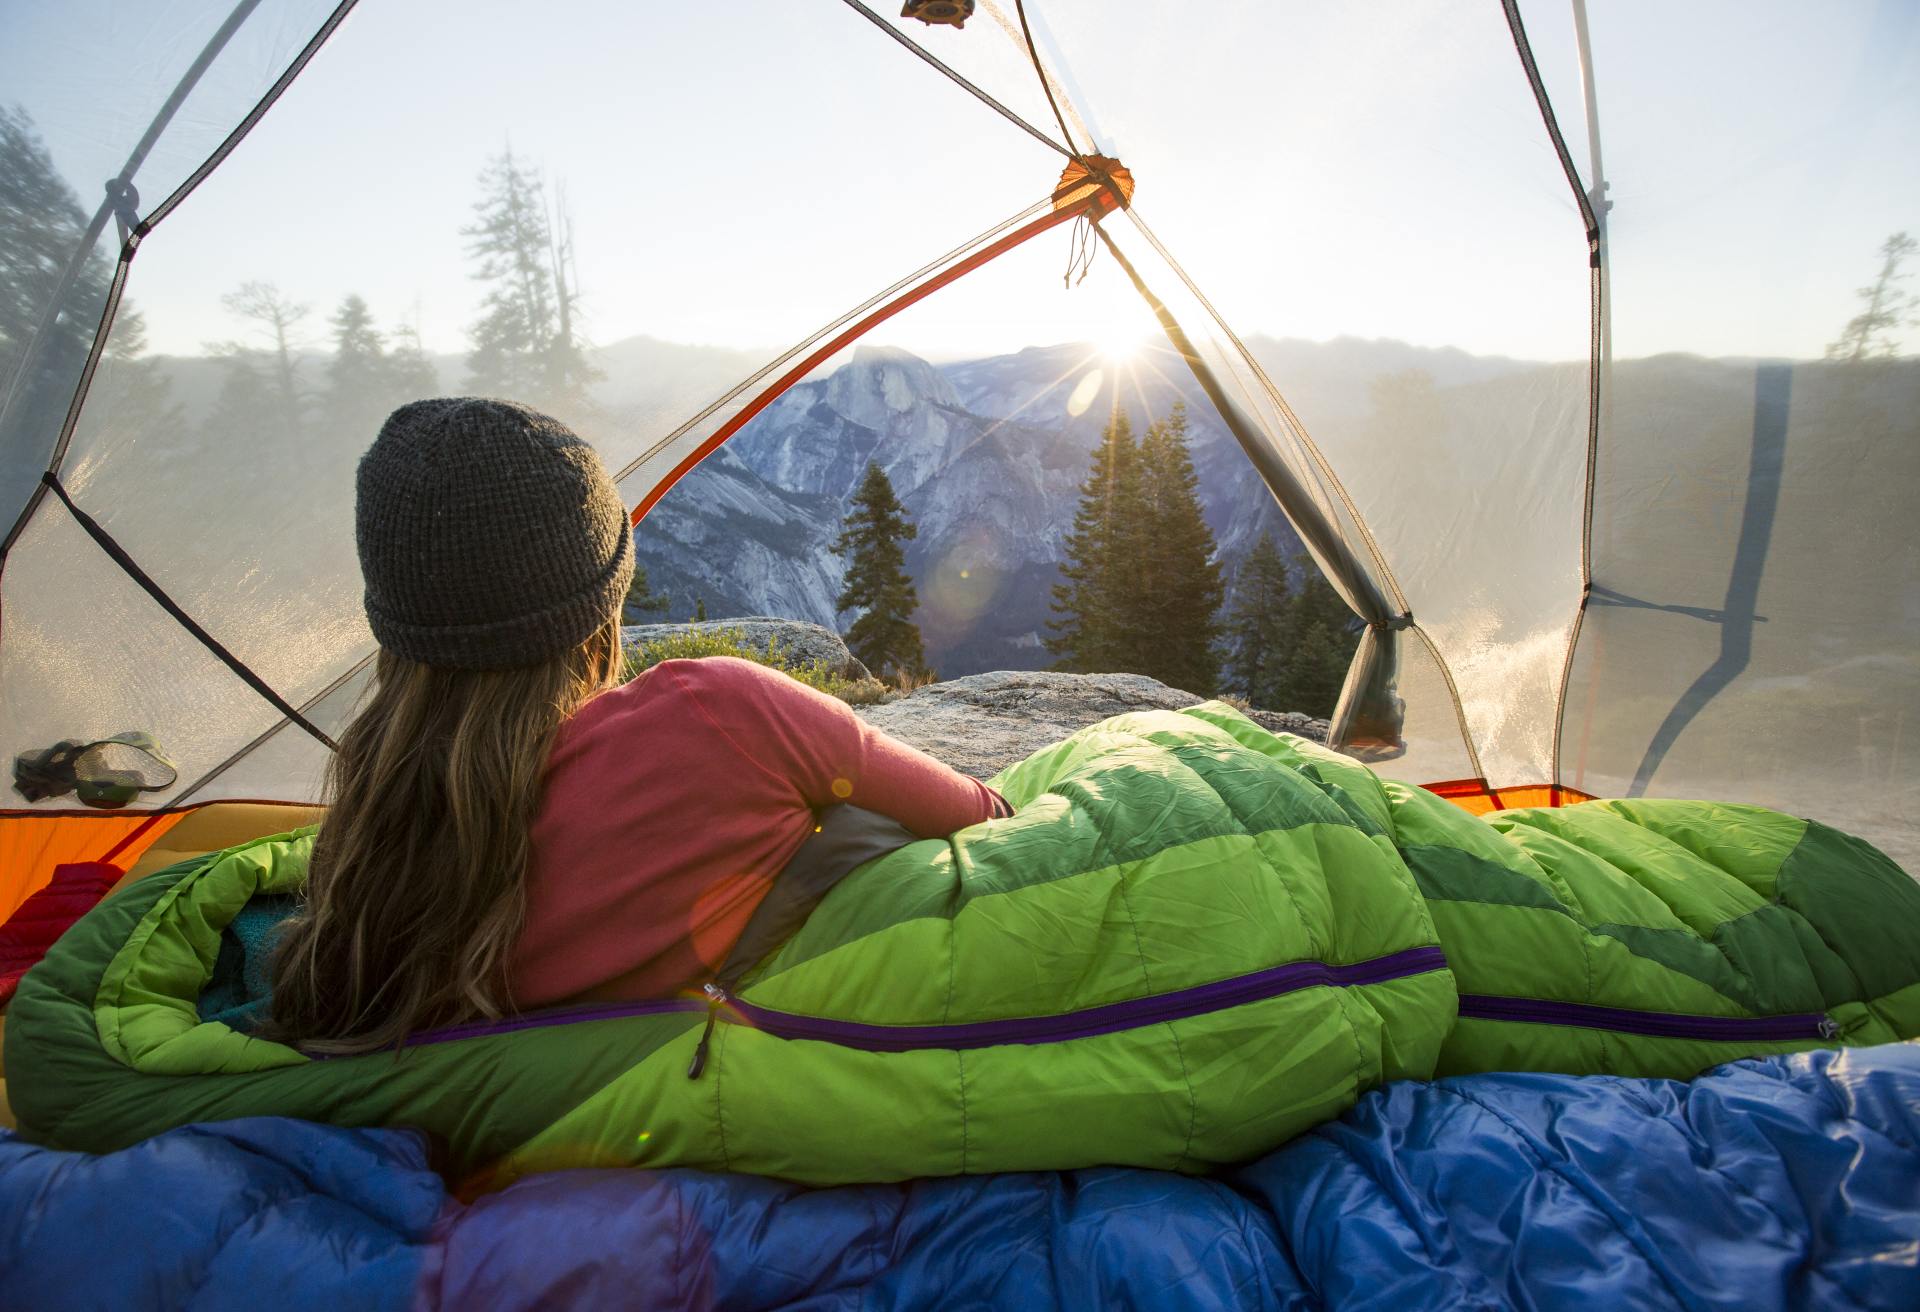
x,y
240,992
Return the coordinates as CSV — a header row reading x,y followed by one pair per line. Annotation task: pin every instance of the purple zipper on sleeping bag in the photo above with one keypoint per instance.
x,y
1087,1022
1656,1024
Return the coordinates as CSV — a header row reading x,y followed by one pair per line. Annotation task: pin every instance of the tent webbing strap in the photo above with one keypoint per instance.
x,y
118,554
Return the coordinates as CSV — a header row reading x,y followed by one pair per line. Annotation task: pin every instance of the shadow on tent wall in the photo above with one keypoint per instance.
x,y
1772,404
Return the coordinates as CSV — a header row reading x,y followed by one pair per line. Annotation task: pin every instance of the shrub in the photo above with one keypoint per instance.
x,y
733,642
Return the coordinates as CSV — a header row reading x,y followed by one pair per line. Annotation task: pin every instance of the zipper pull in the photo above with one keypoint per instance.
x,y
715,996
1829,1028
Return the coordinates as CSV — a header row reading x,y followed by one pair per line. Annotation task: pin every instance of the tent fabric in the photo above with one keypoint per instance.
x,y
1778,1183
1610,567
1195,940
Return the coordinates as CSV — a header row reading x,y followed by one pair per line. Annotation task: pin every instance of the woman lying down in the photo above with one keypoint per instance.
x,y
710,918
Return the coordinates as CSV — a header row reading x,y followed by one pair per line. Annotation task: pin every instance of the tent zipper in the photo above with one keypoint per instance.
x,y
1088,1022
1655,1024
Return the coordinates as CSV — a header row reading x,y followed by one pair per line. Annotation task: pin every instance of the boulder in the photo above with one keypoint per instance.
x,y
803,643
982,723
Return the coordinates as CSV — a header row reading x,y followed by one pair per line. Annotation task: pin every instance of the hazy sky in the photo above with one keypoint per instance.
x,y
740,173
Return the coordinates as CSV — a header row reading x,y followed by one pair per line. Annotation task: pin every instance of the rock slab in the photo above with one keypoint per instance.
x,y
982,723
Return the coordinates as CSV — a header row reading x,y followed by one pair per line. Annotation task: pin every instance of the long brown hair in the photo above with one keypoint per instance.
x,y
416,890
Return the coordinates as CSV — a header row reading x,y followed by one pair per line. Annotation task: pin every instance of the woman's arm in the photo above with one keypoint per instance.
x,y
826,752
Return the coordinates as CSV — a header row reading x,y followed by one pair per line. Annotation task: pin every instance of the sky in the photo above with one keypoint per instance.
x,y
741,173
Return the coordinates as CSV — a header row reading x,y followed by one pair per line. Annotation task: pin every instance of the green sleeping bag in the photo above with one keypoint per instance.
x,y
1193,941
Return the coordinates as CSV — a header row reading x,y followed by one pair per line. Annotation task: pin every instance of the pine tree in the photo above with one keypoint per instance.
x,y
359,388
1093,634
41,224
1325,635
1259,632
1173,591
525,343
641,599
885,636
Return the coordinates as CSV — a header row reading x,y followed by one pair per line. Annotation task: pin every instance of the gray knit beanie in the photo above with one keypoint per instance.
x,y
490,535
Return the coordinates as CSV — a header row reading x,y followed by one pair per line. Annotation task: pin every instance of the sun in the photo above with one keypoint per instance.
x,y
1118,348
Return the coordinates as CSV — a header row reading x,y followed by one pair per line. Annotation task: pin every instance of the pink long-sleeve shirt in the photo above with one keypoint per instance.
x,y
672,803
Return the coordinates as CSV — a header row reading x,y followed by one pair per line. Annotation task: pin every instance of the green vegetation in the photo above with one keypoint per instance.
x,y
885,637
733,642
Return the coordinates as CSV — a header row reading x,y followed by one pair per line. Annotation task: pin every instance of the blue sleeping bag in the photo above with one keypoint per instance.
x,y
1784,1182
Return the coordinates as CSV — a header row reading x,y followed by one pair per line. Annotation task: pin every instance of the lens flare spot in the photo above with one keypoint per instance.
x,y
643,1136
1083,393
843,788
957,594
